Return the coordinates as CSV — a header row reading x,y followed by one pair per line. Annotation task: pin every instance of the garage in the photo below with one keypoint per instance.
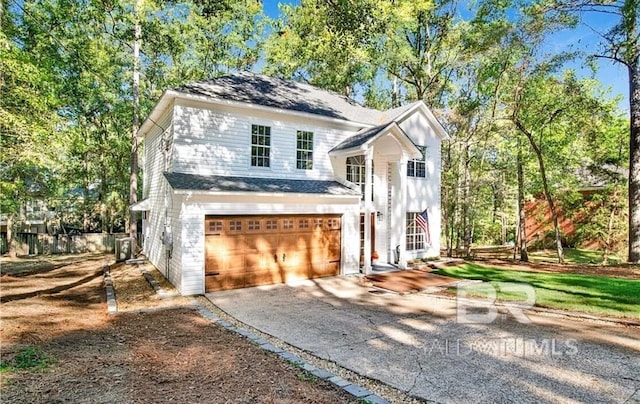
x,y
243,251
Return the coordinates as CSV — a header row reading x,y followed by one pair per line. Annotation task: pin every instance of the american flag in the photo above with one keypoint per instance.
x,y
422,220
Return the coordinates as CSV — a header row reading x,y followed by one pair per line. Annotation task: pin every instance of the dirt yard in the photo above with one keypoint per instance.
x,y
155,350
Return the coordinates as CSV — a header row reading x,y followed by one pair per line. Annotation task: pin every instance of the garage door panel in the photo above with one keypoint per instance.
x,y
244,251
261,243
255,262
294,265
263,277
223,282
324,269
223,265
333,245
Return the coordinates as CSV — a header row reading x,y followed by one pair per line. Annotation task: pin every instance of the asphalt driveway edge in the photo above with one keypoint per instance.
x,y
355,390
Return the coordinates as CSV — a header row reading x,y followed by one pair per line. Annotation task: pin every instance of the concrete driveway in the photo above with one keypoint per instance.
x,y
414,343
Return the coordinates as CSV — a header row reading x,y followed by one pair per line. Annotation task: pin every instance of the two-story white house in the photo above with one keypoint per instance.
x,y
251,180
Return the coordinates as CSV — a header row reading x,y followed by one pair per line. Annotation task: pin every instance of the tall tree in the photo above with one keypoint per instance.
x,y
135,125
31,152
620,44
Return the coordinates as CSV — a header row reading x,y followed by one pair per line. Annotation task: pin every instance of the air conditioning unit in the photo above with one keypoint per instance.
x,y
124,248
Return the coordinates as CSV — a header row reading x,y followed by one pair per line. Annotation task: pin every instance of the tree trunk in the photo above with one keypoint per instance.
x,y
607,241
448,201
522,233
85,194
133,185
634,162
11,242
545,187
466,202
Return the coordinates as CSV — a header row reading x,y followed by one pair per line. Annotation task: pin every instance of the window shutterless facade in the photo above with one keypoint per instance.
x,y
260,146
418,167
415,235
304,150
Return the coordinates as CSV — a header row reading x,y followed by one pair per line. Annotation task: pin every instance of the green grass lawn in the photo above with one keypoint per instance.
x,y
590,294
572,255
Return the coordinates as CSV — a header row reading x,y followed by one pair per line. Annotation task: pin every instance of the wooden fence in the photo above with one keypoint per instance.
x,y
43,244
499,251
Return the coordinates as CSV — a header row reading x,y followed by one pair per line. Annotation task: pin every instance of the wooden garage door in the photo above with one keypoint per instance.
x,y
244,251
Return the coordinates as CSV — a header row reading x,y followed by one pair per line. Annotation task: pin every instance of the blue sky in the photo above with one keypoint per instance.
x,y
584,37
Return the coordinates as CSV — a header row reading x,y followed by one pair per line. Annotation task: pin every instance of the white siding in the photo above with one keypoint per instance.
x,y
163,208
174,221
192,253
425,192
218,142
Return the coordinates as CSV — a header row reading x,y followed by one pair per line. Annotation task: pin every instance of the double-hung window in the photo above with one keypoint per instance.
x,y
260,145
418,167
415,235
304,150
356,172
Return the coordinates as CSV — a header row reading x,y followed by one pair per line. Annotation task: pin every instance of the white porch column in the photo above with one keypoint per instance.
x,y
368,208
402,202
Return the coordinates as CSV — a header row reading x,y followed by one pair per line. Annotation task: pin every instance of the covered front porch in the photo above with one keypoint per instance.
x,y
375,160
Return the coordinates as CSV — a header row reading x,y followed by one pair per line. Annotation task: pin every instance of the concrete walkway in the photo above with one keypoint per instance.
x,y
413,342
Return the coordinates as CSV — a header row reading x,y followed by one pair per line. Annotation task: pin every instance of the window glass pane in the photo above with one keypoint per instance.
x,y
260,145
415,235
356,172
304,150
417,167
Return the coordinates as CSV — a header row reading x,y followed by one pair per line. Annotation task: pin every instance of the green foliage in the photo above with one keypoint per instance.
x,y
305,376
26,358
65,93
590,294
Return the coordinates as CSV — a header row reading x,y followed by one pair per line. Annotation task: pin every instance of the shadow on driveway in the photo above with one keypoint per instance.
x,y
414,343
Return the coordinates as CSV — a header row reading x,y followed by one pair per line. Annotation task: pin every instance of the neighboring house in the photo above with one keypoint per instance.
x,y
34,217
592,192
252,180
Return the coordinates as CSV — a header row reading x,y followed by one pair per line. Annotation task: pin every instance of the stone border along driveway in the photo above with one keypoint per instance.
x,y
271,344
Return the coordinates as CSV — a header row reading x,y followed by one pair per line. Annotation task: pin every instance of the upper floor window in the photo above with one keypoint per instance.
x,y
418,167
260,145
356,172
304,150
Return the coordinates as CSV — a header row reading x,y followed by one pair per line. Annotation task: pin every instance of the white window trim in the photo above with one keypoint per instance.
x,y
413,230
251,166
313,149
423,149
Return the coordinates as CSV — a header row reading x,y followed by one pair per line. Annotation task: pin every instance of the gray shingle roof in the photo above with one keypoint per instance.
x,y
284,94
194,182
365,135
360,138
